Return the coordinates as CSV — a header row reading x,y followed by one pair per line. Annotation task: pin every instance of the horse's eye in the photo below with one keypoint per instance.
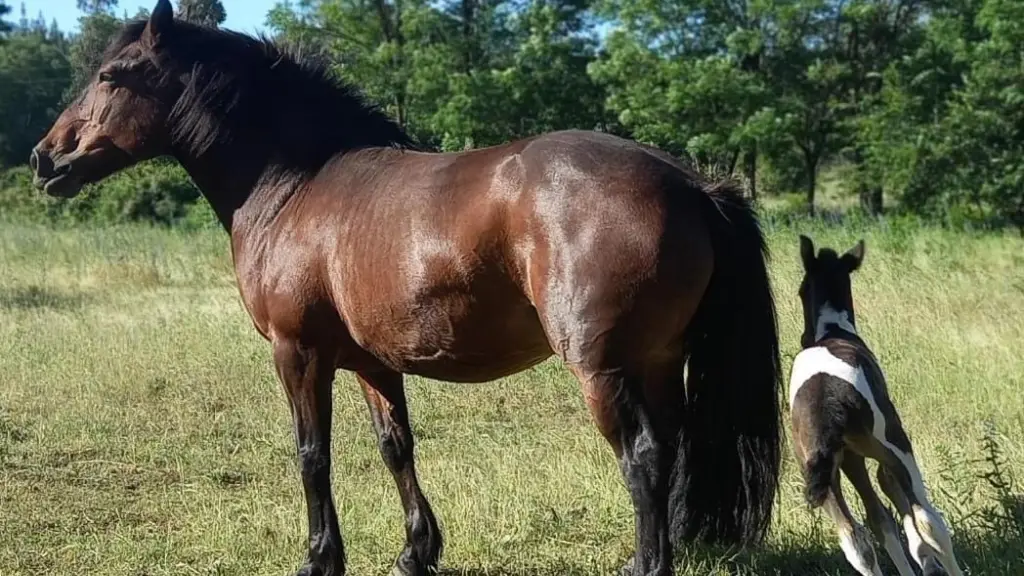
x,y
106,77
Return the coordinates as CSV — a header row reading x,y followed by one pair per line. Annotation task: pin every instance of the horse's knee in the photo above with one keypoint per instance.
x,y
395,447
313,459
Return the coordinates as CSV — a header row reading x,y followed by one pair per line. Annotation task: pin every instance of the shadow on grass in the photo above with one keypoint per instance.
x,y
983,553
39,298
980,553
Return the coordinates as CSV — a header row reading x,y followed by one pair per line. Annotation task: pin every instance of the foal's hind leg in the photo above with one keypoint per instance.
x,y
878,518
307,375
385,396
645,452
853,538
927,534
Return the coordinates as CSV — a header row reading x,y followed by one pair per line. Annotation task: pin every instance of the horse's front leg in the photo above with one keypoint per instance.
x,y
385,396
307,375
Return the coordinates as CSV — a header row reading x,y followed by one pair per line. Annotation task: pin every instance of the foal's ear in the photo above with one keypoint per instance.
x,y
161,21
807,252
854,256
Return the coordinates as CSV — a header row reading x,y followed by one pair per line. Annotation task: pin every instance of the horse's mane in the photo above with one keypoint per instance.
x,y
237,83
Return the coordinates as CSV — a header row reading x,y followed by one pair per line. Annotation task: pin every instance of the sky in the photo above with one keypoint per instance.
x,y
243,15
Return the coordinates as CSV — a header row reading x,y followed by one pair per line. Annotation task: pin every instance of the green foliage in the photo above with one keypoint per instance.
x,y
97,29
917,105
4,11
93,7
33,74
158,192
205,12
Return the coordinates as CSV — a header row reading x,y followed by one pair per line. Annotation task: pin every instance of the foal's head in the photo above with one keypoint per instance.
x,y
825,290
120,117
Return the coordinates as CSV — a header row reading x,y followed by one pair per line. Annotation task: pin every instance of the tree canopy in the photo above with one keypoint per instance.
x,y
916,105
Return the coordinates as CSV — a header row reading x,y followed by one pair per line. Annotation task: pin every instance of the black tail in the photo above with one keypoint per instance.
x,y
727,470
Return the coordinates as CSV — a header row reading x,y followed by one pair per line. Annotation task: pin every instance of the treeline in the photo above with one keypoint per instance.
x,y
920,103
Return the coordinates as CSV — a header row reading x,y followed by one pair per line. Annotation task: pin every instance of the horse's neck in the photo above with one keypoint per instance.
x,y
244,191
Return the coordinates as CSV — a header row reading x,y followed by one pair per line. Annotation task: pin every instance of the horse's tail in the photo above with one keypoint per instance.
x,y
726,473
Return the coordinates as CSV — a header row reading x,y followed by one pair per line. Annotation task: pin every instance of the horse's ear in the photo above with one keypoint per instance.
x,y
807,252
854,256
161,21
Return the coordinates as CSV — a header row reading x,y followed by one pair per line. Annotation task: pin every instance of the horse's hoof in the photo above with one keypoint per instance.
x,y
310,570
407,565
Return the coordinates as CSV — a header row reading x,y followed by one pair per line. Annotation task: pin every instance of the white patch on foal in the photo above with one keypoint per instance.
x,y
829,316
925,526
819,360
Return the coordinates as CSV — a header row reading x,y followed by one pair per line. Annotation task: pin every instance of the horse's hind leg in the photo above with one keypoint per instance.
x,y
307,375
645,447
385,396
927,533
878,518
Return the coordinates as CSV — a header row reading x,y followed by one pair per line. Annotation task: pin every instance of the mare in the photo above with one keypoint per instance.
x,y
841,413
356,249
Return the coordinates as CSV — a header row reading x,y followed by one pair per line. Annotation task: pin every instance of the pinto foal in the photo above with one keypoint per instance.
x,y
841,414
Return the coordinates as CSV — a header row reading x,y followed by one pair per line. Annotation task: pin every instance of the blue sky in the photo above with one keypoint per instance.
x,y
243,15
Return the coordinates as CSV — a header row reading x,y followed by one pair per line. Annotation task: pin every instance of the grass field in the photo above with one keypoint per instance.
x,y
142,431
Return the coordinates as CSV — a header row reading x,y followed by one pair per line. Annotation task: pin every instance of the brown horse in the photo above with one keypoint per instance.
x,y
355,250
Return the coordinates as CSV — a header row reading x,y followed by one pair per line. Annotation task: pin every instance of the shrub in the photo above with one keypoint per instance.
x,y
158,192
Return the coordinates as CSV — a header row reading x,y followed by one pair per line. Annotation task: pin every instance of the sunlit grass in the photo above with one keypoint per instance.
x,y
142,430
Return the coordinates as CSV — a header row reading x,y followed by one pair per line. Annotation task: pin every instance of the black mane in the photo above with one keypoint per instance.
x,y
254,91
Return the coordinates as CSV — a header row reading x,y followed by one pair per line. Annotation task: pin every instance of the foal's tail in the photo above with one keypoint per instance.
x,y
819,470
726,473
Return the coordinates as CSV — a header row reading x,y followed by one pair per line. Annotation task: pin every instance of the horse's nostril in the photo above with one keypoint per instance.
x,y
62,170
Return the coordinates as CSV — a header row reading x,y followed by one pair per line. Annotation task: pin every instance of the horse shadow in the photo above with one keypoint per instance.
x,y
991,552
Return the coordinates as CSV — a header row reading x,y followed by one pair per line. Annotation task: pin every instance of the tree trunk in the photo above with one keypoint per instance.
x,y
732,161
811,172
751,170
812,184
870,198
468,37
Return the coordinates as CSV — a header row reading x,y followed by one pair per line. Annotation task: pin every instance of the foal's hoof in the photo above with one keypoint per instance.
x,y
933,568
627,570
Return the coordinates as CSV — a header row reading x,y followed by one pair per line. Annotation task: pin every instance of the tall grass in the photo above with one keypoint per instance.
x,y
142,430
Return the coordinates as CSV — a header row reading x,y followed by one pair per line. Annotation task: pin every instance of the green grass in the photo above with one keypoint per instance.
x,y
142,430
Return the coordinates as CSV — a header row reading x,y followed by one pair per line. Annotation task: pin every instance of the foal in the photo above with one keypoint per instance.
x,y
841,414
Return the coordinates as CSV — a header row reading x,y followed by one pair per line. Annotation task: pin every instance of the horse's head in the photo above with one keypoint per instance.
x,y
825,288
118,120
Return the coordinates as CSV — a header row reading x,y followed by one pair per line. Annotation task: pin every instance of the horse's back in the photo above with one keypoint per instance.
x,y
470,266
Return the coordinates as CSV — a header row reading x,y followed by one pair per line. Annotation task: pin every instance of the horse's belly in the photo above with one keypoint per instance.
x,y
455,341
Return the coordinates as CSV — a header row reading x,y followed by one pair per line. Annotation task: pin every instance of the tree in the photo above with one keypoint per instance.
x,y
970,164
33,74
204,12
96,31
4,11
93,7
